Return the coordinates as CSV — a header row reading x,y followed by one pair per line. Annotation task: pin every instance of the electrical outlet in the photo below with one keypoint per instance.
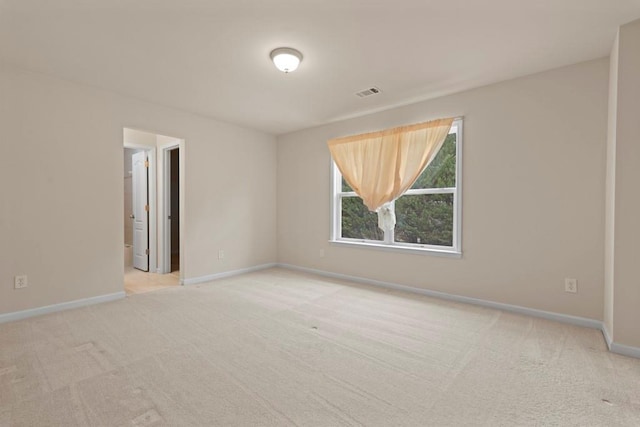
x,y
321,253
571,285
20,282
220,254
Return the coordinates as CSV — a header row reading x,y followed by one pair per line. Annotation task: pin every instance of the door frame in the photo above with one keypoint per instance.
x,y
151,156
165,224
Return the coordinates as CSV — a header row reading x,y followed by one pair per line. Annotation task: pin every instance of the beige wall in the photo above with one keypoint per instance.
x,y
626,197
137,137
533,194
532,197
62,167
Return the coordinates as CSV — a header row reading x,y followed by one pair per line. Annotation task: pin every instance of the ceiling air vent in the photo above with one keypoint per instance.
x,y
368,92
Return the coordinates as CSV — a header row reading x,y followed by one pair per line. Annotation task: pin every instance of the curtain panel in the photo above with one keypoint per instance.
x,y
381,166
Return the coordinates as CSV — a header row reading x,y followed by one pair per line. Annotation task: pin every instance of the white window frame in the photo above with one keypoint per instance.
x,y
388,243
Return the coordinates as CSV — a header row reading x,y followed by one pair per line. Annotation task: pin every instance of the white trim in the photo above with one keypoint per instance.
x,y
32,312
614,347
607,336
408,248
335,200
621,349
182,158
164,258
389,243
625,350
457,196
210,277
164,230
565,318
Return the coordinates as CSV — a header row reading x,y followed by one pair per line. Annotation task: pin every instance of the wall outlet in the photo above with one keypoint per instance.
x,y
220,254
20,282
571,285
321,253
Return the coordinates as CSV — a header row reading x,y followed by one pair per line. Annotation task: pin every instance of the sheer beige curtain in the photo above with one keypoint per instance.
x,y
381,166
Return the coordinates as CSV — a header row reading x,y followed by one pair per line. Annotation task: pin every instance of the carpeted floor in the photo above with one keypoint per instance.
x,y
281,348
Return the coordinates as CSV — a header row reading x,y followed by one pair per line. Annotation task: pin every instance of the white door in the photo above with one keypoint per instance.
x,y
140,184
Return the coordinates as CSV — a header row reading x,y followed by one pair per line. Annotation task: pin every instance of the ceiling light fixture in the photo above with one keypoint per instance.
x,y
286,59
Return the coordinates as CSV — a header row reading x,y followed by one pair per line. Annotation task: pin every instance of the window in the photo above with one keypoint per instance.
x,y
427,215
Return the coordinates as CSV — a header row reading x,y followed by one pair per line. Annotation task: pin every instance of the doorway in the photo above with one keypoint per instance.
x,y
173,205
171,153
153,211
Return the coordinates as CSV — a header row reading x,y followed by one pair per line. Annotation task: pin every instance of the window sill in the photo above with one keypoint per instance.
x,y
447,253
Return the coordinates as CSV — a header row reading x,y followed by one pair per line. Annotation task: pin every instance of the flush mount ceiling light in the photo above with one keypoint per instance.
x,y
286,59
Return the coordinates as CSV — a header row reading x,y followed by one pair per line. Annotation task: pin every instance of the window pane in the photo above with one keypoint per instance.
x,y
358,222
425,218
346,187
441,172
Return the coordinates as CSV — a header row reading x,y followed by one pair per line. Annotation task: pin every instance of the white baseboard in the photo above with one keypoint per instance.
x,y
607,336
18,315
210,277
614,347
565,318
625,350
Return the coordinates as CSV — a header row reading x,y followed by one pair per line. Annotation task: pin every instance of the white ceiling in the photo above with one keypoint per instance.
x,y
212,56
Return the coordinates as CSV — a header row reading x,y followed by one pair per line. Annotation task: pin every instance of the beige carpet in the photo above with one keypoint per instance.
x,y
280,348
